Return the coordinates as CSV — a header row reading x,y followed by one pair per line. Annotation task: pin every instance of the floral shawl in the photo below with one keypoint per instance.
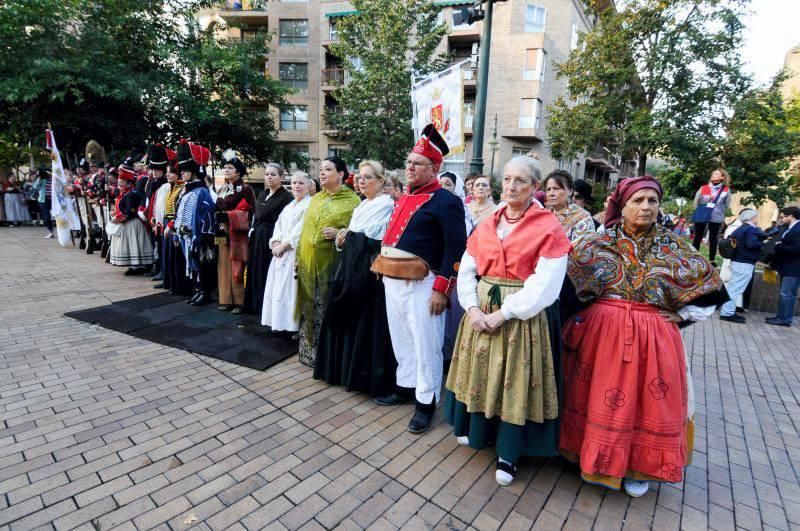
x,y
658,268
315,253
575,221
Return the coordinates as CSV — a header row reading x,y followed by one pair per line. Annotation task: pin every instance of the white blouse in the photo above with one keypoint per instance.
x,y
539,290
290,223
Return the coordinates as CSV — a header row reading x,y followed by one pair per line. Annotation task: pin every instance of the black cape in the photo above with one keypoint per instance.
x,y
355,349
260,255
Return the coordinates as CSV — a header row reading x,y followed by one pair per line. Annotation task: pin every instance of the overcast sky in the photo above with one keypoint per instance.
x,y
771,30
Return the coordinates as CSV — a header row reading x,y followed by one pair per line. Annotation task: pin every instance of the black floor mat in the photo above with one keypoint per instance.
x,y
168,320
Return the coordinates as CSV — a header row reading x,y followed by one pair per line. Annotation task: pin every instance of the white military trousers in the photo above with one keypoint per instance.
x,y
417,336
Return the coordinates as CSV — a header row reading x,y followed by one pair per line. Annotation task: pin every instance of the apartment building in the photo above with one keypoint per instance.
x,y
528,36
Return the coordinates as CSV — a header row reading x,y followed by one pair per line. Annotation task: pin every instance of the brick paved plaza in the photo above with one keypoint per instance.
x,y
101,430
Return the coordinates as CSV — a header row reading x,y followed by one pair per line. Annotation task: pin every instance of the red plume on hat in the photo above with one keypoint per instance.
x,y
431,145
192,157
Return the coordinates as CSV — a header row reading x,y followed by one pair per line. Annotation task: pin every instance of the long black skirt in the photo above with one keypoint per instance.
x,y
355,349
175,278
259,257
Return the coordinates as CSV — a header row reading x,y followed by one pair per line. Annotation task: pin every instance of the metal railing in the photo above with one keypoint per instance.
x,y
333,76
246,5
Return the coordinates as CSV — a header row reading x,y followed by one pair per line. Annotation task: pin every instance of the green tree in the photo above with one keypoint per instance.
x,y
654,77
130,71
380,47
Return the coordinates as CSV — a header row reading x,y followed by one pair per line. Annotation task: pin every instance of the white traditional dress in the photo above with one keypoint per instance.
x,y
280,292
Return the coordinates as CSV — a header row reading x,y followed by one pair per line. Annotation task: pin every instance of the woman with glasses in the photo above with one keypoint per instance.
x,y
330,211
355,349
482,206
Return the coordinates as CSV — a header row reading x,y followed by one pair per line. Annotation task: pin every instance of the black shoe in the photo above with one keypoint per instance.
x,y
772,318
738,319
777,322
160,285
505,472
420,422
193,298
224,307
203,299
237,310
393,400
157,278
134,271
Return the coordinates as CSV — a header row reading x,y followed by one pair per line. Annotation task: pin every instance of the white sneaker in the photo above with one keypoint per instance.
x,y
49,236
463,440
505,472
635,489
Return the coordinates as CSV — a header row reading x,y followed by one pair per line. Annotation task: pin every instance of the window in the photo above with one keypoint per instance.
x,y
294,32
333,33
535,60
337,151
249,34
300,149
573,42
565,165
294,117
534,18
517,151
469,114
529,113
294,75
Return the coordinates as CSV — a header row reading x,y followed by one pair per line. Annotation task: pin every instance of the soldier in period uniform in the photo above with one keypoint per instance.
x,y
194,221
157,160
419,261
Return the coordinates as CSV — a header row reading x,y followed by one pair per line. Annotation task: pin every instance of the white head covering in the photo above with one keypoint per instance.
x,y
459,182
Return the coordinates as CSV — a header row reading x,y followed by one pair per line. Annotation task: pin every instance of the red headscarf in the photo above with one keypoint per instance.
x,y
625,189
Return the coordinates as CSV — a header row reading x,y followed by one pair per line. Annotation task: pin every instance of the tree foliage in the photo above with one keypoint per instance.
x,y
125,72
380,47
654,77
761,140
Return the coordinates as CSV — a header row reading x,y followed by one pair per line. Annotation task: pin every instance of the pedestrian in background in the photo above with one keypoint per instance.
x,y
749,242
711,201
787,258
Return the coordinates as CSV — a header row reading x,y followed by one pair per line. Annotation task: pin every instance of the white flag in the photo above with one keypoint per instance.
x,y
63,209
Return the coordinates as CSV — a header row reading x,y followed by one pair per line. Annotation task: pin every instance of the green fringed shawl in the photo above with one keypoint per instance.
x,y
315,253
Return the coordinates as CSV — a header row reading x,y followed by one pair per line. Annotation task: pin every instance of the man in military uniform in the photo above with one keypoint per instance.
x,y
419,262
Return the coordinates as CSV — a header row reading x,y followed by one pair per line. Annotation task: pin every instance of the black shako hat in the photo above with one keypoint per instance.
x,y
157,158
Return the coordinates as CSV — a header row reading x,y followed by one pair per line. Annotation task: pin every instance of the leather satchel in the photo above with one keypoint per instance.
x,y
403,268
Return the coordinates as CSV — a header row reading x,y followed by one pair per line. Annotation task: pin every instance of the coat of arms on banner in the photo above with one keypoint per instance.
x,y
439,100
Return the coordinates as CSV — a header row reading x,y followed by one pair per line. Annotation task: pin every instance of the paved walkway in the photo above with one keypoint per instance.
x,y
100,430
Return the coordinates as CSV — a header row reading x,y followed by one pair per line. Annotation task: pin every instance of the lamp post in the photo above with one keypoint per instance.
x,y
476,165
493,143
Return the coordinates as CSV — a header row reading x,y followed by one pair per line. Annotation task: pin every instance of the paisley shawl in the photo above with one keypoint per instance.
x,y
658,268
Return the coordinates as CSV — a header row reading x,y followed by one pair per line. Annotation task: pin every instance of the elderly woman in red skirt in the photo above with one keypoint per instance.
x,y
627,416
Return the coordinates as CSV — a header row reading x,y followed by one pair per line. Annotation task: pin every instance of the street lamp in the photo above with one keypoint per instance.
x,y
472,14
493,143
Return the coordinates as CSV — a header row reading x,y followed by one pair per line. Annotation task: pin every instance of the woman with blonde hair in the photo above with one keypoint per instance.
x,y
280,288
711,201
355,349
482,206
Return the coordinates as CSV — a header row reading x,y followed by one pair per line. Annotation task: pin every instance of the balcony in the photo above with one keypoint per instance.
x,y
331,78
602,158
468,119
464,33
251,12
328,129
